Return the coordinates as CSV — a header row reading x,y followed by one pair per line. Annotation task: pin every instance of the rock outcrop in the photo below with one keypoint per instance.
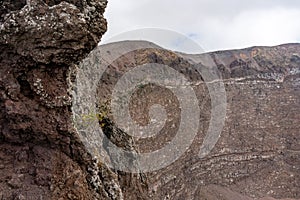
x,y
257,154
41,156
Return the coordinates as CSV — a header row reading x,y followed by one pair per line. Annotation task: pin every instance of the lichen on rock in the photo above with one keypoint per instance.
x,y
41,155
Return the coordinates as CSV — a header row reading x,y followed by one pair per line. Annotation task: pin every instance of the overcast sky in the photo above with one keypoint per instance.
x,y
213,24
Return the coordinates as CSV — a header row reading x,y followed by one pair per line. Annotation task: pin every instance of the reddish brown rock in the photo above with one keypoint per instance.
x,y
257,155
41,155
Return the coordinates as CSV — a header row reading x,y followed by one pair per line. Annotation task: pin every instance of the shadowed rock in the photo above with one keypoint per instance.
x,y
41,155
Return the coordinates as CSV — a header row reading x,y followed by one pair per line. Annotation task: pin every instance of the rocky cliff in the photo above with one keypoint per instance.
x,y
42,155
257,154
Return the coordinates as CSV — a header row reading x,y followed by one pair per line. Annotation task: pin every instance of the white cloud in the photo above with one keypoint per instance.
x,y
214,24
258,27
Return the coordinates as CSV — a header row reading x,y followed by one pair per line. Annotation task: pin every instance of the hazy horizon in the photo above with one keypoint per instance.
x,y
214,25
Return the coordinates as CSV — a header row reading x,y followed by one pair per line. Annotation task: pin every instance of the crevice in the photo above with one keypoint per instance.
x,y
25,88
